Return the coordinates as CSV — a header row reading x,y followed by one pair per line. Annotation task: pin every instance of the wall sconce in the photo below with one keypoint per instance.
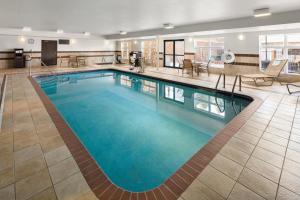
x,y
73,41
22,39
241,37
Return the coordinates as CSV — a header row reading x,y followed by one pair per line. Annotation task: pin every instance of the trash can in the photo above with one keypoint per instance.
x,y
27,61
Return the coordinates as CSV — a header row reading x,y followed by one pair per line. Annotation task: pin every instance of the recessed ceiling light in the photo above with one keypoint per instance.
x,y
26,29
262,12
60,31
123,32
168,26
87,33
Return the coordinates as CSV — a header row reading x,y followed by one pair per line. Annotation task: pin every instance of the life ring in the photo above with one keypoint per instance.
x,y
229,57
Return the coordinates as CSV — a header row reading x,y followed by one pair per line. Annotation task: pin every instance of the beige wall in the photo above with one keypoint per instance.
x,y
94,50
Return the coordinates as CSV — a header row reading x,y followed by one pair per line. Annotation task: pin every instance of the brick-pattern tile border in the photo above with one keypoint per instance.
x,y
172,188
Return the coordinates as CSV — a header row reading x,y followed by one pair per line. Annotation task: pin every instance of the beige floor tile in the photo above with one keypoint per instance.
x,y
217,181
63,169
47,133
278,132
258,184
51,143
57,155
71,187
247,137
241,145
24,139
270,146
284,194
294,146
292,167
6,177
296,131
293,155
227,166
290,182
296,125
275,139
268,156
265,169
199,191
7,193
295,138
6,159
87,196
29,167
281,126
32,185
44,126
251,130
23,126
256,125
48,194
27,153
240,192
234,154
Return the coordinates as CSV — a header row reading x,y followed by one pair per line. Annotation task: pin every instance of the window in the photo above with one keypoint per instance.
x,y
209,49
173,53
214,105
174,93
293,53
279,47
271,47
125,50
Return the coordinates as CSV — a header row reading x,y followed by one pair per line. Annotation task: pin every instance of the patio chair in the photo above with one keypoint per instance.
x,y
187,66
271,73
73,60
203,67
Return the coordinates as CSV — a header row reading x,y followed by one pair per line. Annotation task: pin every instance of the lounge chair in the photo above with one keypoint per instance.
x,y
269,75
288,85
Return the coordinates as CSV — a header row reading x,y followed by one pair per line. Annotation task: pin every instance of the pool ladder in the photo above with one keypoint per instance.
x,y
237,77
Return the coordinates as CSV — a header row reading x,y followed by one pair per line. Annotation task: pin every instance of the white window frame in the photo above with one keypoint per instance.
x,y
125,50
285,48
210,47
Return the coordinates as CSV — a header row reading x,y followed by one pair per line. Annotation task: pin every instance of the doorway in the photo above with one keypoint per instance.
x,y
173,53
49,52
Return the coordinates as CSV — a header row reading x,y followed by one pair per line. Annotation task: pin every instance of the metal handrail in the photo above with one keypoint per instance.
x,y
224,80
234,84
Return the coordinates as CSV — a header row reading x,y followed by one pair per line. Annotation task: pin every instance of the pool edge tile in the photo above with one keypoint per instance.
x,y
172,188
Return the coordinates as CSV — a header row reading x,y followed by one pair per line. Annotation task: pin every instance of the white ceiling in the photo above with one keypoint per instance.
x,y
107,17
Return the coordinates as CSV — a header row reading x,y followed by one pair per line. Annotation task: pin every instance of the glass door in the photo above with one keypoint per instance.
x,y
173,53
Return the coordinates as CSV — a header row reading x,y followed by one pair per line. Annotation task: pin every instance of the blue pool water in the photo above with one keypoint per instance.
x,y
139,130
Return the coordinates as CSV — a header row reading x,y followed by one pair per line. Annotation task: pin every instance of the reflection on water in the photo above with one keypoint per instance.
x,y
211,103
206,102
139,130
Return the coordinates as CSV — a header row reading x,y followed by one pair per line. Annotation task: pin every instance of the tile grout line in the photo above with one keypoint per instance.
x,y
252,153
235,162
286,148
26,96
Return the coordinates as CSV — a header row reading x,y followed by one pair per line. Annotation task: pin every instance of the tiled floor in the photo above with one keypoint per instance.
x,y
261,161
